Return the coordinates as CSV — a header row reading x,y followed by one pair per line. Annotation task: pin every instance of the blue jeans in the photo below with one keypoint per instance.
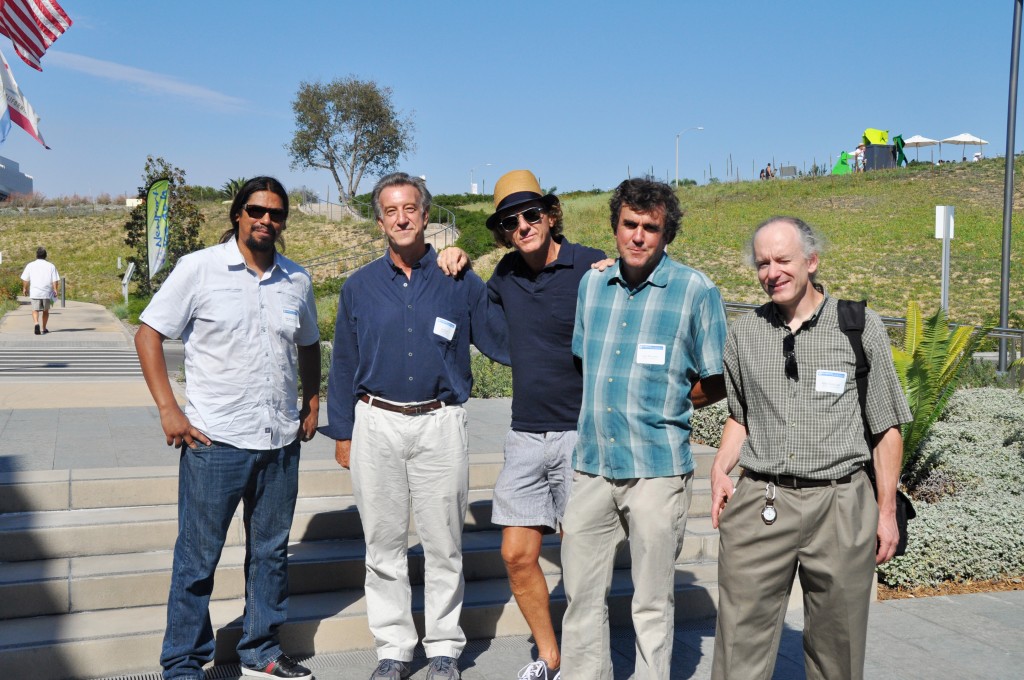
x,y
211,481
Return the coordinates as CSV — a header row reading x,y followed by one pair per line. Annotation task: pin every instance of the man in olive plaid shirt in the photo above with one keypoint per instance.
x,y
804,503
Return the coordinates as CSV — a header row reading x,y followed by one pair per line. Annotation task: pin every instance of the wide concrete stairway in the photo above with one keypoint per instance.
x,y
85,563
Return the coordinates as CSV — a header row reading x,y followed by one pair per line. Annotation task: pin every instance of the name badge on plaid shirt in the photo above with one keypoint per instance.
x,y
830,381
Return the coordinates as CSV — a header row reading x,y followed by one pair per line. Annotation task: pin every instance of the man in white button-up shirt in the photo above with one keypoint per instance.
x,y
247,318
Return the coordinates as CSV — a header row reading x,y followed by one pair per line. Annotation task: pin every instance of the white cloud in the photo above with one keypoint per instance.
x,y
154,82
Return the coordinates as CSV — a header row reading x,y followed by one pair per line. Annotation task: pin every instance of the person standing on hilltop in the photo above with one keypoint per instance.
x,y
40,282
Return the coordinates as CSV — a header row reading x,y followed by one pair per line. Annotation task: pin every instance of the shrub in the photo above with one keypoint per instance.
x,y
326,315
10,285
928,364
474,236
490,379
706,424
972,464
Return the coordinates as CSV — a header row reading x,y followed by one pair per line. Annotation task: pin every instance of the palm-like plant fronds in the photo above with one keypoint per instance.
x,y
928,364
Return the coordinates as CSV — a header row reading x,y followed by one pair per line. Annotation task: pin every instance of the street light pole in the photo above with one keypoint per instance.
x,y
472,184
678,135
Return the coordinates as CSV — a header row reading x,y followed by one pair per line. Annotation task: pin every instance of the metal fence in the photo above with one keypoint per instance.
x,y
1014,336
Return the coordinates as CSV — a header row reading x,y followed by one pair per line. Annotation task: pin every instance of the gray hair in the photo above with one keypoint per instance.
x,y
811,240
401,179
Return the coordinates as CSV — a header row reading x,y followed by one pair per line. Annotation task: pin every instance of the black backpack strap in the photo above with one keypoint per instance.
x,y
851,323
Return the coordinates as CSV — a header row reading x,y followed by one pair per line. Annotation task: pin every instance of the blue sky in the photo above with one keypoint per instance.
x,y
579,92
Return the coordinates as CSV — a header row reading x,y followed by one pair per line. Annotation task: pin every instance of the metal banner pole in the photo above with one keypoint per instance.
x,y
1011,127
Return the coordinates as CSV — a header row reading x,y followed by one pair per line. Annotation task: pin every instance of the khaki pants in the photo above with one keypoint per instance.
x,y
827,535
602,513
419,462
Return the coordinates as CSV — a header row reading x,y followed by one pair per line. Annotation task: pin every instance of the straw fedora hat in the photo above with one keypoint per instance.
x,y
516,188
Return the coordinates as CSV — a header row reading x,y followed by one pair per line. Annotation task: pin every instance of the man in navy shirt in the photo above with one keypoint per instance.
x,y
536,285
400,373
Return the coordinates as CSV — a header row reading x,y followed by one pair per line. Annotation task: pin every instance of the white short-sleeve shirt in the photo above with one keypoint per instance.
x,y
41,275
240,334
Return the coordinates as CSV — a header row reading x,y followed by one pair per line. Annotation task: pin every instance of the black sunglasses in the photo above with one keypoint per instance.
x,y
258,211
511,223
788,351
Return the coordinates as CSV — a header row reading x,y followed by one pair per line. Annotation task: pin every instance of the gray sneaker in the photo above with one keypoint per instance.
x,y
443,668
538,670
389,669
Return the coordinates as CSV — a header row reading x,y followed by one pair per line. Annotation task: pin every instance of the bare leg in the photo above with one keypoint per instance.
x,y
520,548
46,317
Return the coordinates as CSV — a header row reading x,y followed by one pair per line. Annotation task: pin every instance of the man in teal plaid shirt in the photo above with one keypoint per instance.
x,y
650,333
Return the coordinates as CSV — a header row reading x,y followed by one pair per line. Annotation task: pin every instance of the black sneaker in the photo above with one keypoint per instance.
x,y
443,668
37,329
282,667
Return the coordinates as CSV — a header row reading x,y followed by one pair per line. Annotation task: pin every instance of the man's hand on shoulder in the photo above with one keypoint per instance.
x,y
453,261
601,265
343,452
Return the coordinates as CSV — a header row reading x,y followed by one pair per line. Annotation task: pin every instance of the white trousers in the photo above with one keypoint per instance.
x,y
602,513
419,463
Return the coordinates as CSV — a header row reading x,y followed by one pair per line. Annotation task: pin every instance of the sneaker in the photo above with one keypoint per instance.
x,y
389,669
45,331
443,668
37,329
282,667
538,670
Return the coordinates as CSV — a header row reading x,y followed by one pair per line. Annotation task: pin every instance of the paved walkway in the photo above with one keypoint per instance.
x,y
81,423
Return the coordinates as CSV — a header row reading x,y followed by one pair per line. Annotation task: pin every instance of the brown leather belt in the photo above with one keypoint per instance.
x,y
791,482
413,410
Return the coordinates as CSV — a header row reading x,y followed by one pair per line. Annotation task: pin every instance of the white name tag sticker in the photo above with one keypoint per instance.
x,y
444,328
650,354
291,318
830,381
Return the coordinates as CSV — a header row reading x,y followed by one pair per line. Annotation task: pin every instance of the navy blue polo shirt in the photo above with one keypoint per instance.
x,y
407,340
540,308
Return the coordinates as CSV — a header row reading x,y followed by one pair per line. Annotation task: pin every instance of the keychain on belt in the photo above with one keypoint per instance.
x,y
768,512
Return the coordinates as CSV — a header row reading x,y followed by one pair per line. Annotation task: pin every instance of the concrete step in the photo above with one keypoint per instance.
x,y
114,642
54,534
34,491
78,584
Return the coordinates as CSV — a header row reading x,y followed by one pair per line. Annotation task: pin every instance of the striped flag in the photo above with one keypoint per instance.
x,y
18,108
32,25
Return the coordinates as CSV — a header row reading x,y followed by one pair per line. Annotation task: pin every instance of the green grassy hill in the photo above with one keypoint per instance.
x,y
879,227
85,245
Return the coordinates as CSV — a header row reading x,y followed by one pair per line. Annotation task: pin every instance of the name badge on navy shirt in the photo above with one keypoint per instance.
x,y
444,328
830,381
650,354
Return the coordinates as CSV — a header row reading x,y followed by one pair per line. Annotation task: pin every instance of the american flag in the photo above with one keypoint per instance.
x,y
32,25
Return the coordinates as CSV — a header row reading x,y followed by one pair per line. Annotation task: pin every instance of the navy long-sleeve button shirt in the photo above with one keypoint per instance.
x,y
407,340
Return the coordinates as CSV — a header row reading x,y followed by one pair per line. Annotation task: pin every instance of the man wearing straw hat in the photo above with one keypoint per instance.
x,y
536,285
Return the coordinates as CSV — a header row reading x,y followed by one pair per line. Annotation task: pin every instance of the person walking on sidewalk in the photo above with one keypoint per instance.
x,y
247,317
400,374
40,282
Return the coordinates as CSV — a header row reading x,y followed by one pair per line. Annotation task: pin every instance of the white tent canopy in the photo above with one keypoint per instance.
x,y
917,141
963,139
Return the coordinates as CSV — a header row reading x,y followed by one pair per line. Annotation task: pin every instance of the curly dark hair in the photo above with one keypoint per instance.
x,y
644,195
553,210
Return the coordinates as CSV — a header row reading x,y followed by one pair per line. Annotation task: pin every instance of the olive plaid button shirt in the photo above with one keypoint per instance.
x,y
808,425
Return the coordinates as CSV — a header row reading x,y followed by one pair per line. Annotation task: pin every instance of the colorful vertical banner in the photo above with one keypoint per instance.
x,y
157,225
